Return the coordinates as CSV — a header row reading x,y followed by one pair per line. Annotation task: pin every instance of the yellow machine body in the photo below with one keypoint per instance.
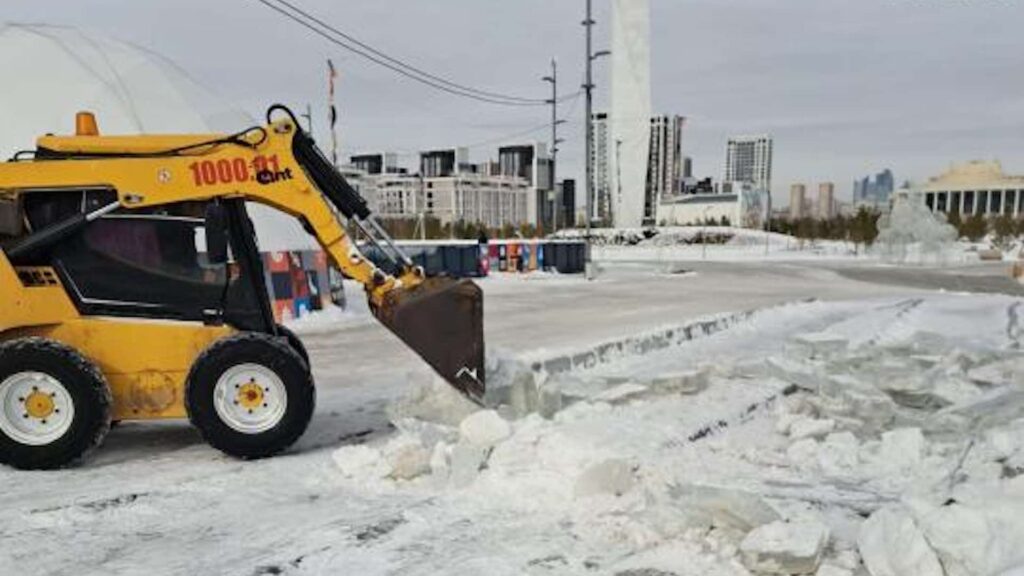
x,y
146,361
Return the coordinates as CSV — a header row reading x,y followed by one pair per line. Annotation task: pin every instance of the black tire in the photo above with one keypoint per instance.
x,y
295,342
87,389
267,352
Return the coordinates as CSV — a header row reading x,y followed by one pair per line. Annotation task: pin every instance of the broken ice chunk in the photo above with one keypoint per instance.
x,y
785,548
902,448
407,459
484,428
832,570
360,462
805,427
802,374
685,382
819,344
838,455
891,544
621,393
613,476
999,373
803,452
466,462
724,507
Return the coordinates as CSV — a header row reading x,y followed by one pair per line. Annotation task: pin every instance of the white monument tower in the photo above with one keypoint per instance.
x,y
629,147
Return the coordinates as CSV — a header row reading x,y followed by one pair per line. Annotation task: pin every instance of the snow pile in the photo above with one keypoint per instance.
x,y
326,321
912,234
828,439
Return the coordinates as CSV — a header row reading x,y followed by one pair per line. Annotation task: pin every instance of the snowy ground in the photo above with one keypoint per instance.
x,y
730,244
663,438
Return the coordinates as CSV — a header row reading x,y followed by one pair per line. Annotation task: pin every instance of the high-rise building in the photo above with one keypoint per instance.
x,y
567,203
826,200
379,163
664,163
874,192
797,200
749,159
601,203
472,197
631,110
532,163
442,163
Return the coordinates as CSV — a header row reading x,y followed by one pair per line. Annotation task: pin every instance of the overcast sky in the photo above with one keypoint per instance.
x,y
846,87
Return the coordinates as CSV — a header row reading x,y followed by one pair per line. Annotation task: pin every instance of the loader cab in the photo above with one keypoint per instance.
x,y
157,263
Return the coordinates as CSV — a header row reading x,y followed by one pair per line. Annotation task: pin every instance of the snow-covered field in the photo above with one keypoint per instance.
x,y
880,432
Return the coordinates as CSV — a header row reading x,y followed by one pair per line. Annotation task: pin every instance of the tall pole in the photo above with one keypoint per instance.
x,y
309,120
588,89
332,111
555,140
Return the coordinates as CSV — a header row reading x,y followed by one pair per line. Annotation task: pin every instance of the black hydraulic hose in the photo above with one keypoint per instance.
x,y
57,232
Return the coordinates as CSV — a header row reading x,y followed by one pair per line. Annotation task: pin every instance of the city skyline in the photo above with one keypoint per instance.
x,y
841,98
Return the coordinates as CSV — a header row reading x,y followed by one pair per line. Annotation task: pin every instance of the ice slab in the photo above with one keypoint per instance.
x,y
684,382
407,458
838,455
433,400
805,427
724,507
891,544
818,344
621,393
484,428
832,570
785,547
360,462
902,448
614,476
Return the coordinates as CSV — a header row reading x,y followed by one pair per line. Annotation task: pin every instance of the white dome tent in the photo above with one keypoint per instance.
x,y
52,72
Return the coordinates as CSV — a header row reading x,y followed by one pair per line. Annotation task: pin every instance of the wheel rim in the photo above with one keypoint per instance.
x,y
250,398
35,408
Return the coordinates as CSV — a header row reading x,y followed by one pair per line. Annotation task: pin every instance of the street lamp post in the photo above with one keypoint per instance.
x,y
555,140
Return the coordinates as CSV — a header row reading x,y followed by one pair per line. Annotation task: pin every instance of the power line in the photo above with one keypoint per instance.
x,y
328,32
398,62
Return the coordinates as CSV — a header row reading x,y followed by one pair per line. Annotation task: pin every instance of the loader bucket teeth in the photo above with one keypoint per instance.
x,y
442,321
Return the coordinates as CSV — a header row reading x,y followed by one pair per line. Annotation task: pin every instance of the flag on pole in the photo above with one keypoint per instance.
x,y
332,111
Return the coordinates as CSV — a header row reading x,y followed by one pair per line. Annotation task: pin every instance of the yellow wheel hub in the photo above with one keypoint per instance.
x,y
39,405
250,396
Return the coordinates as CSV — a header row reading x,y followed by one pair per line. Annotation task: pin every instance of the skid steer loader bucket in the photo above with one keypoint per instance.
x,y
442,320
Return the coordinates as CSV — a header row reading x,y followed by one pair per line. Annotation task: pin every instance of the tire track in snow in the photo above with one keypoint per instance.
x,y
903,308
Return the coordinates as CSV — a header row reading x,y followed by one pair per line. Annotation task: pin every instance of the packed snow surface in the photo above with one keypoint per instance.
x,y
881,436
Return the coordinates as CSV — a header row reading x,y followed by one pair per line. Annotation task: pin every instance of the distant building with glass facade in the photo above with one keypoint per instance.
x,y
874,192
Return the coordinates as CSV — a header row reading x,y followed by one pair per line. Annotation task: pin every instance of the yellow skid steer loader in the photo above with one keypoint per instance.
x,y
132,289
